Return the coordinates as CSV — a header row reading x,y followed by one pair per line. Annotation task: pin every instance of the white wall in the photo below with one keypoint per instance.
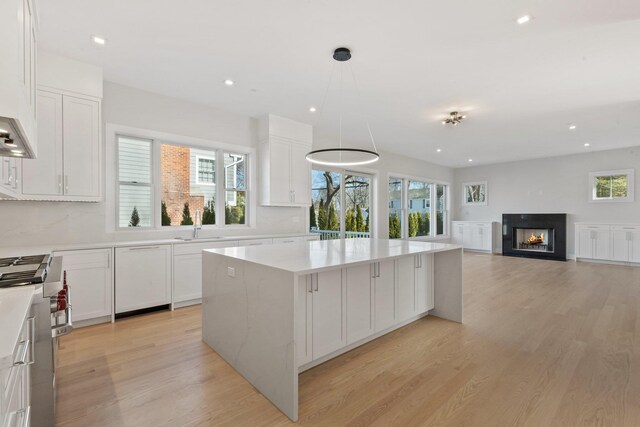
x,y
553,185
61,223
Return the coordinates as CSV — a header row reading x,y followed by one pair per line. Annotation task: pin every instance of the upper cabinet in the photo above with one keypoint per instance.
x,y
18,76
69,120
284,172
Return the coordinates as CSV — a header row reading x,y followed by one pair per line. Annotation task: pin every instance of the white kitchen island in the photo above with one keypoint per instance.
x,y
273,311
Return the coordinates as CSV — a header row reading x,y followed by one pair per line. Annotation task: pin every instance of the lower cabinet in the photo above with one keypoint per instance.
x,y
340,307
328,313
360,301
187,270
384,280
89,274
625,243
143,277
475,236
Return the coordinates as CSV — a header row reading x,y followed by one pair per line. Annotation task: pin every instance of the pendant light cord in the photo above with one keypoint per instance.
x,y
355,83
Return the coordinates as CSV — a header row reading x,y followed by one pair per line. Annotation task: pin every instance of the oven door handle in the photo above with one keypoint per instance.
x,y
64,328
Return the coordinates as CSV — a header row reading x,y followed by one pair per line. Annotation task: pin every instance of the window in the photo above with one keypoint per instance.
x,y
134,182
162,185
612,186
206,170
187,185
235,188
330,192
424,201
474,193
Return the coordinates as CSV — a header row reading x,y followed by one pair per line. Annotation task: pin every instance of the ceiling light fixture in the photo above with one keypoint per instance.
x,y
470,160
523,19
572,127
99,40
439,150
454,118
586,144
312,109
229,82
341,156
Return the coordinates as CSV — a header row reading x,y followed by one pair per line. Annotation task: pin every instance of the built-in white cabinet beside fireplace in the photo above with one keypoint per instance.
x,y
608,242
473,235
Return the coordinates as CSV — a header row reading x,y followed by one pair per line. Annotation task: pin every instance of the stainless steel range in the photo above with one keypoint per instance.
x,y
52,320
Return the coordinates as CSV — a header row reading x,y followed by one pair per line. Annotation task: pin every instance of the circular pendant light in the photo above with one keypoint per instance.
x,y
344,156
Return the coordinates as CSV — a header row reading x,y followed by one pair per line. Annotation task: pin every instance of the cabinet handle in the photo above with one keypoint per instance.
x,y
60,184
31,321
66,184
25,413
310,284
22,355
143,248
15,177
317,284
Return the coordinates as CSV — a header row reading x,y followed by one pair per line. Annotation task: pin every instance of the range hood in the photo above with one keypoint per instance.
x,y
12,140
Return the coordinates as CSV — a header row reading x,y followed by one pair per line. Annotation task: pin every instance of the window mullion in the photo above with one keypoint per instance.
x,y
221,195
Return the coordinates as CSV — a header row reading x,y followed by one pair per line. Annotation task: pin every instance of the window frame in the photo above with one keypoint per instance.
x,y
630,174
486,193
404,209
157,138
151,183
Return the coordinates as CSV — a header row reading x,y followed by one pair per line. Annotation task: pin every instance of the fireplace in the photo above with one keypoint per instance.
x,y
535,236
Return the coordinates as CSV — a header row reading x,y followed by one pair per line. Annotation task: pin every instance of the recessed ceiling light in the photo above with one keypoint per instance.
x,y
312,109
99,40
586,144
572,127
439,150
470,160
229,82
523,19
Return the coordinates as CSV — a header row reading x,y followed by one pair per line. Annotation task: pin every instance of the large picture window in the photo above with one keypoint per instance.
x,y
341,204
166,185
413,206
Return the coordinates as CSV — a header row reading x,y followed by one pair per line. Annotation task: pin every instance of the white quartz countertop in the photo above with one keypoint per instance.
x,y
9,251
14,306
311,257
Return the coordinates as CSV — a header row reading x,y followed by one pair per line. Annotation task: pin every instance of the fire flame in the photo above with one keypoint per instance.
x,y
536,240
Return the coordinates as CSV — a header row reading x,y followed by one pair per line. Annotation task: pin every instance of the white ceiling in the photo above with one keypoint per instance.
x,y
577,61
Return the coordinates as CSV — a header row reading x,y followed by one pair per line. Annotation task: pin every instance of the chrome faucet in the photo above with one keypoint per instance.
x,y
197,224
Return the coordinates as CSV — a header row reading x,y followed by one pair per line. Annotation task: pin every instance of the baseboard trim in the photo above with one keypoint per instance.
x,y
187,303
609,262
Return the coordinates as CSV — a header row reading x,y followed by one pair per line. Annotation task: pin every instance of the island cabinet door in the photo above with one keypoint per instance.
x,y
329,325
424,283
360,302
406,287
304,333
385,295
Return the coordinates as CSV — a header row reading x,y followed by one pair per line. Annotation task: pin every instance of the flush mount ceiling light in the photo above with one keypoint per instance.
x,y
572,127
312,109
229,82
523,19
99,40
586,144
454,118
344,156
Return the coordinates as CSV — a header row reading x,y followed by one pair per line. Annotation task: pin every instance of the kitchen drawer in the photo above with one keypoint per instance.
x,y
196,248
625,228
295,239
255,242
595,227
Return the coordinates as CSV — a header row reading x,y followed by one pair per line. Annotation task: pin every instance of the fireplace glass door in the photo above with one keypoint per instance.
x,y
533,239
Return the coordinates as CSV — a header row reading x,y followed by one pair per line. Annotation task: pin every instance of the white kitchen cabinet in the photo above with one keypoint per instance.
x,y
360,301
329,310
89,275
69,169
473,235
385,294
10,184
593,242
187,270
18,77
415,285
305,320
143,277
285,174
625,243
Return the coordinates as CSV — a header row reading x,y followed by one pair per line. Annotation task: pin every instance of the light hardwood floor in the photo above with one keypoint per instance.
x,y
544,343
